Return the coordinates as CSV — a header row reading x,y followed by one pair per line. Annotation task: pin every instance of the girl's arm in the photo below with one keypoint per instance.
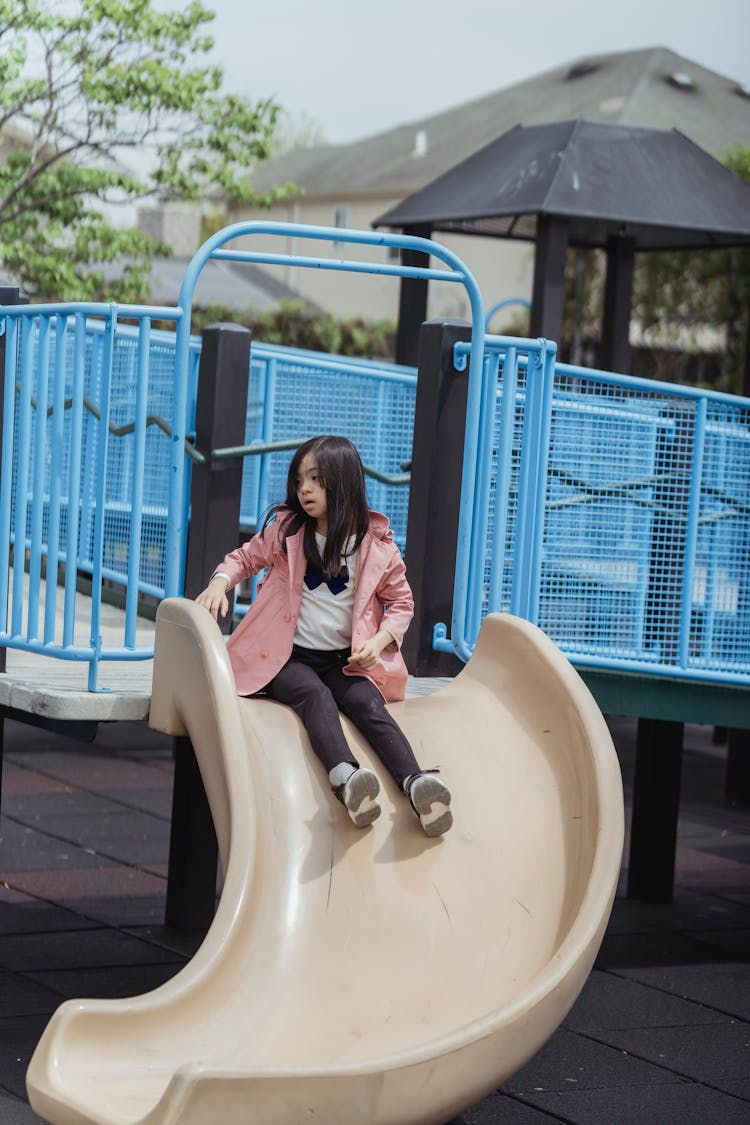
x,y
214,597
368,653
247,560
394,592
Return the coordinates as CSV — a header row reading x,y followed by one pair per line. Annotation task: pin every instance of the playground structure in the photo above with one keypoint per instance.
x,y
363,977
611,512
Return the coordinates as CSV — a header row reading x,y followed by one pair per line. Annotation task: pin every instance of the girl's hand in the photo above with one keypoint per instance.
x,y
214,597
368,653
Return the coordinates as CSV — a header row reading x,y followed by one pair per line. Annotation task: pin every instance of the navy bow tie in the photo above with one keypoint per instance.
x,y
314,576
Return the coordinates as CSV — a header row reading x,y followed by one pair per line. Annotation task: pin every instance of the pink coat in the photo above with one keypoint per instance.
x,y
262,643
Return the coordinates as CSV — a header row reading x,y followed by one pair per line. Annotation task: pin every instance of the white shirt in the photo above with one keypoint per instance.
x,y
327,608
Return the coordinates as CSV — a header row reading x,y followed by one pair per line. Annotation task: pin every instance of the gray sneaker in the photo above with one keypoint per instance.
x,y
358,796
430,798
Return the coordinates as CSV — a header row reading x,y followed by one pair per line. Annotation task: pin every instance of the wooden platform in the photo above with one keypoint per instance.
x,y
58,689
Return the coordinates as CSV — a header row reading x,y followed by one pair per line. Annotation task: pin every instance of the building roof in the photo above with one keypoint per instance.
x,y
220,283
652,87
654,187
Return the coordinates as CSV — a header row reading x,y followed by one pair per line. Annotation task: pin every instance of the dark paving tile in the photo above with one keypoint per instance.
x,y
622,952
94,772
20,914
185,943
78,949
135,739
19,782
158,802
687,912
717,1060
722,987
499,1108
125,911
569,1060
738,895
29,849
18,1039
735,942
685,1103
13,1111
609,1001
71,886
112,982
20,996
126,835
36,809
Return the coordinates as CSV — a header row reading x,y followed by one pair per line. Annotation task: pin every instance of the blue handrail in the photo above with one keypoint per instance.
x,y
455,272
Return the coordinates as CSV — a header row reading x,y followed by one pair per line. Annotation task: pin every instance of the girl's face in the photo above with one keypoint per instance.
x,y
311,493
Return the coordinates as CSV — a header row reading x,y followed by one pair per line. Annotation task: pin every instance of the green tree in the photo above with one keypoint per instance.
x,y
295,325
678,293
89,91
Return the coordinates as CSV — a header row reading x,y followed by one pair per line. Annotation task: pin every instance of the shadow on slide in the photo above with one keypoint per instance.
x,y
363,977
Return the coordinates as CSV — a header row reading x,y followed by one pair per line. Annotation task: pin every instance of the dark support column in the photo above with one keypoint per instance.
x,y
435,491
549,278
214,524
9,295
656,801
412,302
737,778
215,489
193,852
618,298
746,364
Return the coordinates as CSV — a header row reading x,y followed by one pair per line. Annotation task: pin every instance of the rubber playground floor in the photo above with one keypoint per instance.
x,y
660,1034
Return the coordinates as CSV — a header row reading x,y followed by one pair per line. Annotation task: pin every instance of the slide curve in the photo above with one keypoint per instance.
x,y
363,977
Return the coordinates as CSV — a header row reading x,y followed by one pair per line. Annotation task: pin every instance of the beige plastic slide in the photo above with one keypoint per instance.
x,y
363,977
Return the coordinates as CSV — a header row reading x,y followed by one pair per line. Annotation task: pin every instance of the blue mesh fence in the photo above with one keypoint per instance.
x,y
80,451
632,548
120,447
298,394
614,512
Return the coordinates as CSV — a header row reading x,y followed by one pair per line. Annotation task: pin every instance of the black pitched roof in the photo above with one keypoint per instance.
x,y
653,186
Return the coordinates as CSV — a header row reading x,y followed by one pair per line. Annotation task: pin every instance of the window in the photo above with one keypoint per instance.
x,y
341,217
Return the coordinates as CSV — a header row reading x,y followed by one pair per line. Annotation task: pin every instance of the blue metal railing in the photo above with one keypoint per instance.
x,y
613,512
66,499
76,496
453,270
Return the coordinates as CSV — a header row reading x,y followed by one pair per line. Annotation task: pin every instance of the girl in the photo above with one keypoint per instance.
x,y
324,632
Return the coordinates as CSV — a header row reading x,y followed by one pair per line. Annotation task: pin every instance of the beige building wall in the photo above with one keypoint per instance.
x,y
502,268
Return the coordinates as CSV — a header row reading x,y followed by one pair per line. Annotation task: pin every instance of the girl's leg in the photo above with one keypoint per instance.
x,y
361,702
302,689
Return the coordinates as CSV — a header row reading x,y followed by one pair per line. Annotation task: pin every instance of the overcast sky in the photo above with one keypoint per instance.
x,y
359,68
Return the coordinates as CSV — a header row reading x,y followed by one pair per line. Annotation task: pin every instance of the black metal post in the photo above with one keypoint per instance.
x,y
737,776
656,794
435,491
656,802
618,299
412,303
9,295
214,525
547,302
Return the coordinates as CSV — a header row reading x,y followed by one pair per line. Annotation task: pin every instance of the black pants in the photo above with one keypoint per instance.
x,y
313,684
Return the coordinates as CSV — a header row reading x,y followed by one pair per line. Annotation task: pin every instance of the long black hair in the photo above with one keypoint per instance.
x,y
341,474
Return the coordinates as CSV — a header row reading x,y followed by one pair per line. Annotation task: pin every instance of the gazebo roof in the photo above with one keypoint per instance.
x,y
652,186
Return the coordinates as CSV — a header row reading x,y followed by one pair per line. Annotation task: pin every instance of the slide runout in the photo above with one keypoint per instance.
x,y
375,975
